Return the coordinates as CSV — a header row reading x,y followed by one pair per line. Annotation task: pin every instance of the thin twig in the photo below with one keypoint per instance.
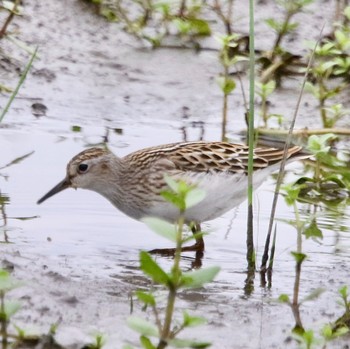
x,y
304,131
283,162
226,19
245,103
3,30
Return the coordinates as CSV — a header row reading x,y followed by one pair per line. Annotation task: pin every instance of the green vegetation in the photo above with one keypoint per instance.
x,y
314,191
165,330
18,337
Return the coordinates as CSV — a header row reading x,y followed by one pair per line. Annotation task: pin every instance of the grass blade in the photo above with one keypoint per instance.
x,y
20,82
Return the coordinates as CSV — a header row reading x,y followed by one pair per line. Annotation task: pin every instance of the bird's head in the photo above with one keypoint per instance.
x,y
87,170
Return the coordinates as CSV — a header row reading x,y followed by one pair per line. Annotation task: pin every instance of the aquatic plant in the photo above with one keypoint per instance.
x,y
264,90
226,83
331,63
285,27
313,190
276,63
153,21
330,182
165,329
98,342
7,308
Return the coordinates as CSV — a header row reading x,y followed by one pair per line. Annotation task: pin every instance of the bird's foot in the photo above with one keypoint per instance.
x,y
197,247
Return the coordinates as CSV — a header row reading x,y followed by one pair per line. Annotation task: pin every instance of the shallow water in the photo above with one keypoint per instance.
x,y
79,257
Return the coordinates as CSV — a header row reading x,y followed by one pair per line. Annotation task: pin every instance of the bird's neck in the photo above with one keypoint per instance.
x,y
112,184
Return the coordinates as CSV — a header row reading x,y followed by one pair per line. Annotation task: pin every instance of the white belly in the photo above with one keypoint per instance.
x,y
223,191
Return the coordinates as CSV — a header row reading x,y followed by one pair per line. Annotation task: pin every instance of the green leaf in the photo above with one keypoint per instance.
x,y
127,346
76,128
311,88
109,14
343,291
299,257
227,85
275,25
174,199
340,331
292,26
193,197
146,343
284,298
199,26
327,332
142,326
146,298
152,269
182,25
309,337
265,89
319,145
161,227
17,160
7,283
313,295
341,37
312,231
198,278
11,308
327,65
292,192
192,321
188,343
10,6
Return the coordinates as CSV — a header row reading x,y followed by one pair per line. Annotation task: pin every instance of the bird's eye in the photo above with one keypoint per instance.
x,y
83,168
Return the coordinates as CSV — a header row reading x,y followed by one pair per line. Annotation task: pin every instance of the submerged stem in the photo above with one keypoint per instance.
x,y
296,289
3,320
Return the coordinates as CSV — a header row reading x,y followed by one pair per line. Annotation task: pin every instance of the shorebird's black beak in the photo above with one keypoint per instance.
x,y
59,187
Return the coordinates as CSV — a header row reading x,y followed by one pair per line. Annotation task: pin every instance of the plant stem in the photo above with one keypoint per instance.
x,y
226,19
176,271
282,32
250,235
3,329
283,162
322,99
295,303
298,225
182,8
224,107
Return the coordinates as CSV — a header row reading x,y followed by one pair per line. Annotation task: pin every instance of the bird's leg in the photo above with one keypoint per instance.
x,y
198,246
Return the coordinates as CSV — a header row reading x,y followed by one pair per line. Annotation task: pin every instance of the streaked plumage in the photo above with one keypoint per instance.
x,y
133,183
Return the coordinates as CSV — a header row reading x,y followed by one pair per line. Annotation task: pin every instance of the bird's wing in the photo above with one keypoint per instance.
x,y
208,156
225,157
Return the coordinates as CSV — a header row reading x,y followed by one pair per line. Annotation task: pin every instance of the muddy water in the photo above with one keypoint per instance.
x,y
79,257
